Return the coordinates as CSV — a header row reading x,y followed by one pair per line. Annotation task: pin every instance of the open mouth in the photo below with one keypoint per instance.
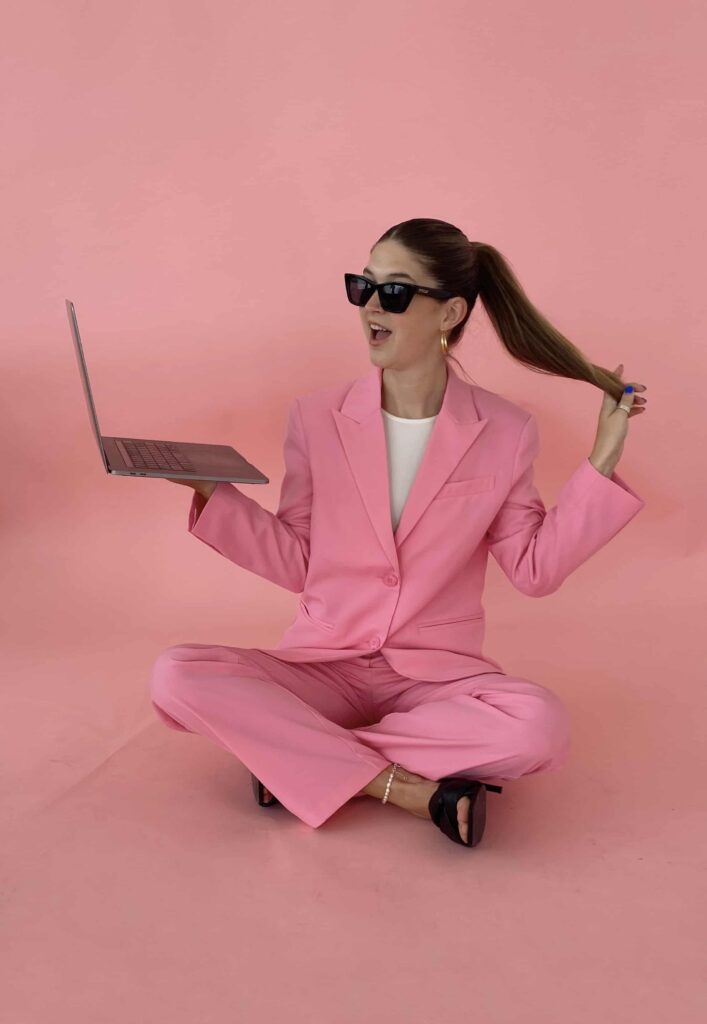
x,y
379,333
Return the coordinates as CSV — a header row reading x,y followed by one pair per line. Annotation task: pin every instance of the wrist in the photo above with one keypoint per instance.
x,y
602,465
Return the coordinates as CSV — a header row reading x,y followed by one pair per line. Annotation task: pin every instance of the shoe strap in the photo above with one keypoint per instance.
x,y
443,804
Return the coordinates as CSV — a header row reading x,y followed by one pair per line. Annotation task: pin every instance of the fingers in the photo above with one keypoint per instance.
x,y
635,401
626,400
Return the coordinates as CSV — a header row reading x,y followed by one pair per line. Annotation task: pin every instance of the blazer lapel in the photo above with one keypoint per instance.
x,y
362,434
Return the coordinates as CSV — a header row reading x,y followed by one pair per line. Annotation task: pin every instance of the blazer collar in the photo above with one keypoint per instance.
x,y
362,434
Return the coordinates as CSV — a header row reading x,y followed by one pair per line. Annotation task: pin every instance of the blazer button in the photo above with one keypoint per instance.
x,y
375,641
390,580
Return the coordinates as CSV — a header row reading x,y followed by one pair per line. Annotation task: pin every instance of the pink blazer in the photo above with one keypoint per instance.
x,y
414,594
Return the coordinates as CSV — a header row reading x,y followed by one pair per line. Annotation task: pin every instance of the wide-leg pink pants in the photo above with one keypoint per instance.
x,y
315,733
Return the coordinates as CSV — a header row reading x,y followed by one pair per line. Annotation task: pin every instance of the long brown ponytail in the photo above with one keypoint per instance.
x,y
473,269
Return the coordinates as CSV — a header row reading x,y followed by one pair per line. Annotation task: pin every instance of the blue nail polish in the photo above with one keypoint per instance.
x,y
629,388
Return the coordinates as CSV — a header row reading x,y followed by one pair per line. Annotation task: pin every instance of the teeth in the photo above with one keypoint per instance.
x,y
378,327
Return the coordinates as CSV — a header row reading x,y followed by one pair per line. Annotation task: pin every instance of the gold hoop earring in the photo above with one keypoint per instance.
x,y
443,341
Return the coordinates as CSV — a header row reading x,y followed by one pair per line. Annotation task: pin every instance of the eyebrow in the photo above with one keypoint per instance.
x,y
396,273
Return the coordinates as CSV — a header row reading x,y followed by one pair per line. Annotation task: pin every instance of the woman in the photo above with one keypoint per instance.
x,y
396,488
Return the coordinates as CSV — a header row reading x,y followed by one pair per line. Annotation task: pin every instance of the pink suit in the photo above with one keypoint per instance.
x,y
383,661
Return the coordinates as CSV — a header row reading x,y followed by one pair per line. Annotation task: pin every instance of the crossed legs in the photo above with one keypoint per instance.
x,y
290,723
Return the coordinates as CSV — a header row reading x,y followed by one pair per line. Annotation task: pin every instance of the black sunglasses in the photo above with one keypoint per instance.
x,y
395,296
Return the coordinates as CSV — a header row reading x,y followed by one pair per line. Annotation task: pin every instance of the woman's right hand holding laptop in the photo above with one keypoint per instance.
x,y
203,487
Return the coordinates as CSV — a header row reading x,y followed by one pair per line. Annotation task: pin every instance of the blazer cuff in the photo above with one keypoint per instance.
x,y
613,493
206,514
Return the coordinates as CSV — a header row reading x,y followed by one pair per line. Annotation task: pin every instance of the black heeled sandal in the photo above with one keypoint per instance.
x,y
259,792
443,807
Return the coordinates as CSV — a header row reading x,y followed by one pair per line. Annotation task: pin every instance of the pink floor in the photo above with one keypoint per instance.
x,y
141,881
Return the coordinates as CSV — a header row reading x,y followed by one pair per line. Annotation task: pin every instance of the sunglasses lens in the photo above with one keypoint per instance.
x,y
395,298
358,290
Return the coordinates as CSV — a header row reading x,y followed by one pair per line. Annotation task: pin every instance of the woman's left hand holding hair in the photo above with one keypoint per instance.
x,y
613,425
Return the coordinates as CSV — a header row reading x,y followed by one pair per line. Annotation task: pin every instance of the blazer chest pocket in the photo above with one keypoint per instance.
x,y
472,485
313,618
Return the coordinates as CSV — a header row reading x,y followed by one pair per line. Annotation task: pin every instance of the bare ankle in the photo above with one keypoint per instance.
x,y
402,780
376,787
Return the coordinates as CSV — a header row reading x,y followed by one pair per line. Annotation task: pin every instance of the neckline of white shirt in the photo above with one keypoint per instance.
x,y
407,419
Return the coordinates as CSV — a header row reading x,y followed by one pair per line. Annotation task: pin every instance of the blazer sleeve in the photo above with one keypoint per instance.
x,y
274,546
536,548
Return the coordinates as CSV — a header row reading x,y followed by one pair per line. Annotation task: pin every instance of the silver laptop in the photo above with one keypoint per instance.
x,y
139,456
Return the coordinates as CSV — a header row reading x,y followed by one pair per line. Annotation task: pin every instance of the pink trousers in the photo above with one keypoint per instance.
x,y
315,733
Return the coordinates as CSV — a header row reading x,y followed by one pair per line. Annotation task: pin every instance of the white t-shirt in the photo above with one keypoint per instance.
x,y
406,442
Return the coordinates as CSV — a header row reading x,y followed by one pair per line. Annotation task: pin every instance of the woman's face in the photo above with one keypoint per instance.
x,y
415,334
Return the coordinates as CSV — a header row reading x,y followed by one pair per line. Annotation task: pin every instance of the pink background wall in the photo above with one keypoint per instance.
x,y
197,178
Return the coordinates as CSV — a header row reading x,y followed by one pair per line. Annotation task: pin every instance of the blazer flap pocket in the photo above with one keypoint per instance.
x,y
452,622
471,485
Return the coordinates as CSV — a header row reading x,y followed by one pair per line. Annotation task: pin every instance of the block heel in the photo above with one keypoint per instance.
x,y
259,792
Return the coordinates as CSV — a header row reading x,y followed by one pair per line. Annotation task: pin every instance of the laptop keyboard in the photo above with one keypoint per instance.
x,y
156,455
